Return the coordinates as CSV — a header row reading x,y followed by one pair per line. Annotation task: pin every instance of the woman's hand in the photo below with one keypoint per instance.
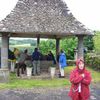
x,y
83,75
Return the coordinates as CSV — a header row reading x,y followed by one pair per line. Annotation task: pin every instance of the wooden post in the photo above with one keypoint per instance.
x,y
38,42
57,46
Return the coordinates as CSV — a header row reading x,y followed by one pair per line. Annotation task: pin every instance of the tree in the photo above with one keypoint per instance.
x,y
47,45
69,45
88,42
96,40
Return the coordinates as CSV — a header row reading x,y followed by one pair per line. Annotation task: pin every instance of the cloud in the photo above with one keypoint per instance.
x,y
5,7
86,11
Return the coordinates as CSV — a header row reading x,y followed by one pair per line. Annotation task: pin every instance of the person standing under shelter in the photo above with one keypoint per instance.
x,y
21,62
36,56
50,57
62,63
80,79
12,60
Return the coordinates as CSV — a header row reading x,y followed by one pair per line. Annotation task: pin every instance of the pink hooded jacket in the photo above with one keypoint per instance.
x,y
76,79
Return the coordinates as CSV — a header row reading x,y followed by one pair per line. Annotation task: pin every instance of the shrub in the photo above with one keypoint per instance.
x,y
93,61
71,62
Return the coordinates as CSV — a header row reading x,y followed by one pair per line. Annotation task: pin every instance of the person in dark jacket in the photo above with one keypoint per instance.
x,y
12,60
36,56
11,55
50,57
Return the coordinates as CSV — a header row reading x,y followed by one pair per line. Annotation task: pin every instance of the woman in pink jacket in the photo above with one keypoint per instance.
x,y
80,79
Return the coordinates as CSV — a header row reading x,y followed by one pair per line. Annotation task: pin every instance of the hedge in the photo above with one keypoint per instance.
x,y
93,61
71,62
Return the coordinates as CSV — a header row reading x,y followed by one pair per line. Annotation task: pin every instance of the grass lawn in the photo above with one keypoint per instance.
x,y
31,83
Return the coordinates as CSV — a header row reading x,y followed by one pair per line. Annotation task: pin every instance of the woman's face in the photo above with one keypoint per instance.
x,y
81,65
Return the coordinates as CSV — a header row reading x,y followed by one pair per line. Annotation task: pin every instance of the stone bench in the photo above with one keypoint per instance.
x,y
4,75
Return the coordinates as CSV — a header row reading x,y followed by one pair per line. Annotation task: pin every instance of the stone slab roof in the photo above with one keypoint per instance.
x,y
42,17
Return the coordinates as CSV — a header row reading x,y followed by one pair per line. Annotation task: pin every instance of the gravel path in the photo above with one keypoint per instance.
x,y
42,94
34,94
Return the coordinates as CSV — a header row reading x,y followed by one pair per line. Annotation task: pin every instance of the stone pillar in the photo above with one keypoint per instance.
x,y
4,51
57,46
80,47
75,54
4,72
38,42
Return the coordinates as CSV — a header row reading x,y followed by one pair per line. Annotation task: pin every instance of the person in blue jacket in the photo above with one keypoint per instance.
x,y
62,63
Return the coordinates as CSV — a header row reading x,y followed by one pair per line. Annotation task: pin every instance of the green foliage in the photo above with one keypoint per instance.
x,y
24,41
96,39
48,45
69,45
88,42
71,62
93,60
22,48
29,44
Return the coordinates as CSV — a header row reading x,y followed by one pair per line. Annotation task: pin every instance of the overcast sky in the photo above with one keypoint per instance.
x,y
86,11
